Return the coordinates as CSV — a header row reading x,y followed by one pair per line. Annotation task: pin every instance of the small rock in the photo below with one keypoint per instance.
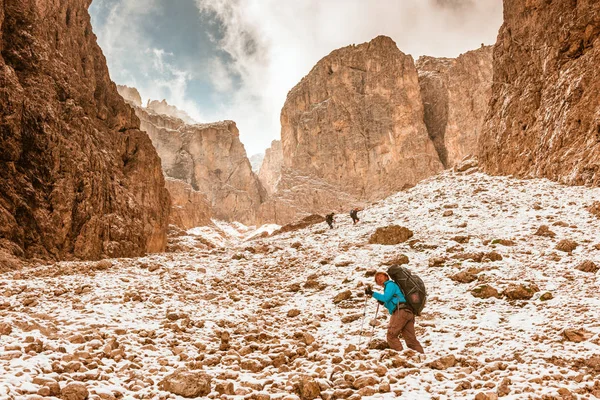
x,y
588,266
399,259
102,265
485,292
464,277
437,261
448,213
308,388
461,239
520,291
486,396
351,318
390,235
504,242
576,335
493,256
293,313
504,387
364,381
566,245
545,231
74,391
5,329
443,363
378,344
546,296
345,295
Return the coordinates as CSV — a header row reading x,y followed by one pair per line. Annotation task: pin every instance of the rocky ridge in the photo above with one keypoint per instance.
x,y
543,119
78,178
356,122
508,315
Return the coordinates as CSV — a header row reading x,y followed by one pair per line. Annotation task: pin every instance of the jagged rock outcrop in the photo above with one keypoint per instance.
x,y
130,94
543,119
356,122
190,208
270,170
164,108
211,159
77,176
456,93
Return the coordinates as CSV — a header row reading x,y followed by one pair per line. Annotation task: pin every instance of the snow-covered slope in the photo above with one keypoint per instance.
x,y
260,315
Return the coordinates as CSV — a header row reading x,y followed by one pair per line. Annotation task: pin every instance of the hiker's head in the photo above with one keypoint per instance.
x,y
381,277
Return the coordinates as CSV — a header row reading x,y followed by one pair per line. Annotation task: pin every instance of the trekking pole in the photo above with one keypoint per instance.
x,y
363,320
374,323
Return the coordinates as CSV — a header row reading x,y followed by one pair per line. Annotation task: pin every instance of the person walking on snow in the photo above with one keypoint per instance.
x,y
329,220
402,320
354,215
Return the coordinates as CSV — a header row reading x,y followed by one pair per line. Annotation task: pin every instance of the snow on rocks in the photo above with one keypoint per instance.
x,y
509,315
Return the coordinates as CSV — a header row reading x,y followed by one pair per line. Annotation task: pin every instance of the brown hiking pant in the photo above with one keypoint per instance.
x,y
402,322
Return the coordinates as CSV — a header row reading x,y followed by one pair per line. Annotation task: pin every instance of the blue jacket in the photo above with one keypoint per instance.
x,y
391,296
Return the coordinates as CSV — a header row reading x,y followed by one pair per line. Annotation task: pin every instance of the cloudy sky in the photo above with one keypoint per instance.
x,y
237,59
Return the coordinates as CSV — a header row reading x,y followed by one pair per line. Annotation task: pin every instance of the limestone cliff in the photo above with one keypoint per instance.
x,y
190,207
356,121
455,93
211,159
270,170
77,176
544,118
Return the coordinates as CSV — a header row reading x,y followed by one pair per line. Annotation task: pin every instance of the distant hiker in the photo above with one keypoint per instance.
x,y
329,220
402,320
354,215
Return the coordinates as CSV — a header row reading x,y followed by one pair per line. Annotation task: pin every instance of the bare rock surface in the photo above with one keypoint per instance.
x,y
455,93
211,159
256,318
189,208
543,119
78,178
356,121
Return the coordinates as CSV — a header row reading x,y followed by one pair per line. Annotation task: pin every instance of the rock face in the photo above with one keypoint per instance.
x,y
164,108
543,119
270,170
455,93
130,94
190,208
356,122
77,176
211,159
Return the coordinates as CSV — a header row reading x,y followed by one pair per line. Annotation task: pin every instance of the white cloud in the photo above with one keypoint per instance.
x,y
274,43
134,62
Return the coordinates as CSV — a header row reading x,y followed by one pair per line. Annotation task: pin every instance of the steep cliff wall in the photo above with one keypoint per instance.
x,y
544,118
270,170
190,208
456,93
210,158
77,176
356,122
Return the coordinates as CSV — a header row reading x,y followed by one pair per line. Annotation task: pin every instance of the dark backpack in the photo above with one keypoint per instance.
x,y
411,285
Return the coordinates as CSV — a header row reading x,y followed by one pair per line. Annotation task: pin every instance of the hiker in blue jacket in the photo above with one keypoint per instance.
x,y
402,320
